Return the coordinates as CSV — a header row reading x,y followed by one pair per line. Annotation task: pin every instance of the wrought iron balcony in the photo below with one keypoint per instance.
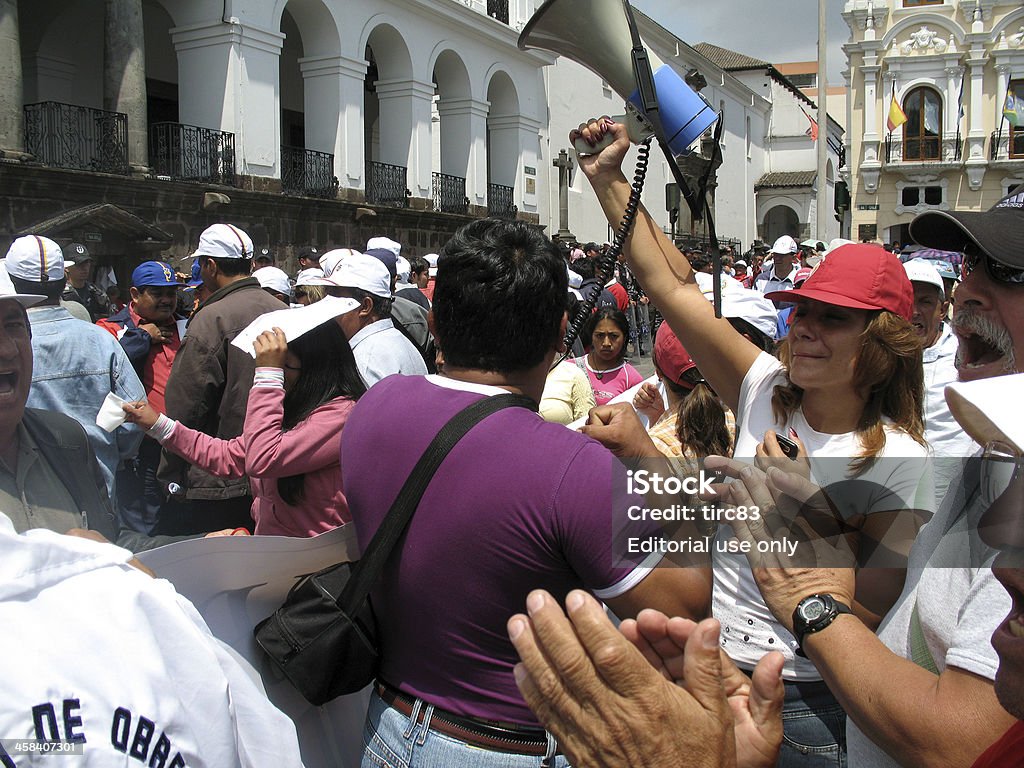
x,y
387,185
450,194
68,136
499,201
191,153
923,149
1008,145
498,9
308,172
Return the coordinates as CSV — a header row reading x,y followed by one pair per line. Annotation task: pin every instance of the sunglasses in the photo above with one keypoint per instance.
x,y
999,272
1000,468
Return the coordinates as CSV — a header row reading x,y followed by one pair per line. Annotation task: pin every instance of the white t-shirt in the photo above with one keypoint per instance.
x,y
100,653
959,603
749,630
948,440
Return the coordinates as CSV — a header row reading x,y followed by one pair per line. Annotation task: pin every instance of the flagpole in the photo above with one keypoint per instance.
x,y
821,225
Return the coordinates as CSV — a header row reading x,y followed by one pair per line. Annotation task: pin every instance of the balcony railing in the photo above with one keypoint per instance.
x,y
498,9
387,185
1007,146
308,172
923,149
450,194
191,153
83,138
499,201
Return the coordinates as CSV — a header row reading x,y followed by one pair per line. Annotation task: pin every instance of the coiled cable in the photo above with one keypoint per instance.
x,y
606,262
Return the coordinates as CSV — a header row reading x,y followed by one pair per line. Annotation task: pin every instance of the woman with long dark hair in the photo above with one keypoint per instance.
x,y
300,399
605,364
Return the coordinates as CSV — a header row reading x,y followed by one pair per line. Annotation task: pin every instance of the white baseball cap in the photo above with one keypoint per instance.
x,y
385,243
403,268
837,242
363,272
37,259
224,241
432,262
921,271
785,244
330,261
575,278
980,408
311,276
8,291
273,278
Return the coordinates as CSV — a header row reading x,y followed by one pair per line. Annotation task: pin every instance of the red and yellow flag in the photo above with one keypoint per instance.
x,y
897,116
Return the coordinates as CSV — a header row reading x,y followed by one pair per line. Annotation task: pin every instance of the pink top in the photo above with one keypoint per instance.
x,y
264,452
608,384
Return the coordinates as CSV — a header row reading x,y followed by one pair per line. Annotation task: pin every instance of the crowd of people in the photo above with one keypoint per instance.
x,y
848,395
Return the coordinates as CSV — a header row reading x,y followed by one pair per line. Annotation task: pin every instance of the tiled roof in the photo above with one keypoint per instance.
x,y
786,179
728,60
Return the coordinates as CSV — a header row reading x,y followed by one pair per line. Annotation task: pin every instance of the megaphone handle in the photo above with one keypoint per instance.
x,y
638,133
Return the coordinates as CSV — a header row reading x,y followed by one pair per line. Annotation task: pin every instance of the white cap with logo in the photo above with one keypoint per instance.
x,y
224,241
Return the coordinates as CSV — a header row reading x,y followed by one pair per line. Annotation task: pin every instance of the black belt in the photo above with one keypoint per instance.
x,y
486,734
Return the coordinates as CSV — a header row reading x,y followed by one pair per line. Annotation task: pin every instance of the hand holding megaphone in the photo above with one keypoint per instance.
x,y
637,130
601,144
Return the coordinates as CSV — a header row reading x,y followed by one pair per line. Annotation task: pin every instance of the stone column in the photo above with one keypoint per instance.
x,y
405,130
333,87
12,127
124,75
228,77
464,144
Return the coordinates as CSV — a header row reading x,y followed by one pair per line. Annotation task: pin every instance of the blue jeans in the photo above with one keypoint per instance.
x,y
394,740
813,728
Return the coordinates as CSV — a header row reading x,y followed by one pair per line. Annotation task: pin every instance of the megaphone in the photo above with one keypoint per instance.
x,y
602,36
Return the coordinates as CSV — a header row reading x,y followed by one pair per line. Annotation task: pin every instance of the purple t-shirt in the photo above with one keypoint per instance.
x,y
519,504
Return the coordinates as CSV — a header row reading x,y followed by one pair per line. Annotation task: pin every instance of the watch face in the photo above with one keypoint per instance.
x,y
813,609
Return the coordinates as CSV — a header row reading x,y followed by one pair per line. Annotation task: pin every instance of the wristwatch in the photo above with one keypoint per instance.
x,y
813,614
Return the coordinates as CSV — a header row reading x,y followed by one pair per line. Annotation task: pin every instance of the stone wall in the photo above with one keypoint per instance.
x,y
30,194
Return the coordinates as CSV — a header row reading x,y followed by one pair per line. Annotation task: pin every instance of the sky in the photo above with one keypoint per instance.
x,y
776,31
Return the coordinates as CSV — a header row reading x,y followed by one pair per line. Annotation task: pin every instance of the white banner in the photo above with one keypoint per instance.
x,y
237,581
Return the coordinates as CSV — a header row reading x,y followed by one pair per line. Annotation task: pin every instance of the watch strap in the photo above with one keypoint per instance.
x,y
801,630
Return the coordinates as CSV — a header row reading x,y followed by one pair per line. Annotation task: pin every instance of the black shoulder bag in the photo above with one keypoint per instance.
x,y
324,637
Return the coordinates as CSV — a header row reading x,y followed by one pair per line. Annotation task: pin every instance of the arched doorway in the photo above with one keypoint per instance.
x,y
922,133
780,220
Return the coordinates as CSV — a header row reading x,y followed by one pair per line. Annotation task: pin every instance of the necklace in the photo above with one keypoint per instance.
x,y
601,374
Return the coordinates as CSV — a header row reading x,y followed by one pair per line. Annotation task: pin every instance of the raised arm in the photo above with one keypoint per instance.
x,y
722,354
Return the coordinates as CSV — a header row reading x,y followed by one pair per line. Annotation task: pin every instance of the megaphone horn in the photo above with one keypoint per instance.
x,y
601,35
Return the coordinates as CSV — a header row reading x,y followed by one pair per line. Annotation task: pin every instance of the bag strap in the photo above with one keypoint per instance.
x,y
370,565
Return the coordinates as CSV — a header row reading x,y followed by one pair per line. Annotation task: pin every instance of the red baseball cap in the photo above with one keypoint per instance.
x,y
860,276
670,357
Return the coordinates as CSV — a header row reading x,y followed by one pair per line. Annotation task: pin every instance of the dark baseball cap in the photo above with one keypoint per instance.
x,y
76,252
998,232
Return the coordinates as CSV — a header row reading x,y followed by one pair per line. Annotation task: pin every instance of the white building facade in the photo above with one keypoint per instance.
x,y
948,65
427,100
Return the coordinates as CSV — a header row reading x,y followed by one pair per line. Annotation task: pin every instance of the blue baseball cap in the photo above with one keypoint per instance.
x,y
154,273
197,271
